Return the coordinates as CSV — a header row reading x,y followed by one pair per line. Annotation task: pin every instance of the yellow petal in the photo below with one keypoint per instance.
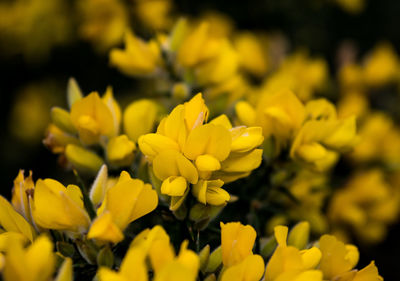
x,y
98,189
92,118
246,113
120,151
243,162
65,273
250,269
207,163
209,139
10,220
174,186
172,163
139,118
237,242
104,229
54,209
82,159
153,144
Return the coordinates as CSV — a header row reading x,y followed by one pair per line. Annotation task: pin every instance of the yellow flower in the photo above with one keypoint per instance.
x,y
210,192
184,150
22,194
58,207
237,242
120,151
253,54
367,204
133,268
92,118
319,140
338,261
289,263
65,272
13,222
138,59
154,14
281,115
139,118
102,22
82,159
123,203
250,269
35,263
382,66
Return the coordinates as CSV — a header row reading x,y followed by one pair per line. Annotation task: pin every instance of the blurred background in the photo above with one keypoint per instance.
x,y
44,43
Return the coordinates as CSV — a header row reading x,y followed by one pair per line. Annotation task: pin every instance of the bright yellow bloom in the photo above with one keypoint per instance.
x,y
250,269
237,242
138,59
184,150
35,263
58,207
338,261
92,118
123,203
82,159
210,192
290,263
139,118
280,114
120,151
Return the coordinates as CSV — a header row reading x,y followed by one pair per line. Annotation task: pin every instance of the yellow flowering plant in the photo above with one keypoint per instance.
x,y
217,154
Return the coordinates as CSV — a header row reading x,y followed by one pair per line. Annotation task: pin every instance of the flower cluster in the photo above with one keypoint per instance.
x,y
224,125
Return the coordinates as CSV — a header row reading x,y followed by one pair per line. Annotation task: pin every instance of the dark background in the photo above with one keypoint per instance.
x,y
320,26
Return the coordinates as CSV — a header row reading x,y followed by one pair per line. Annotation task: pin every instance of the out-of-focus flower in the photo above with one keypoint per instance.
x,y
280,114
103,22
139,58
34,27
381,66
379,140
351,6
338,261
367,204
321,137
154,14
133,267
28,118
299,73
34,263
252,52
310,191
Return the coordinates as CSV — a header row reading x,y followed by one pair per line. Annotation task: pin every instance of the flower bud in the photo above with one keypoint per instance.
x,y
299,234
